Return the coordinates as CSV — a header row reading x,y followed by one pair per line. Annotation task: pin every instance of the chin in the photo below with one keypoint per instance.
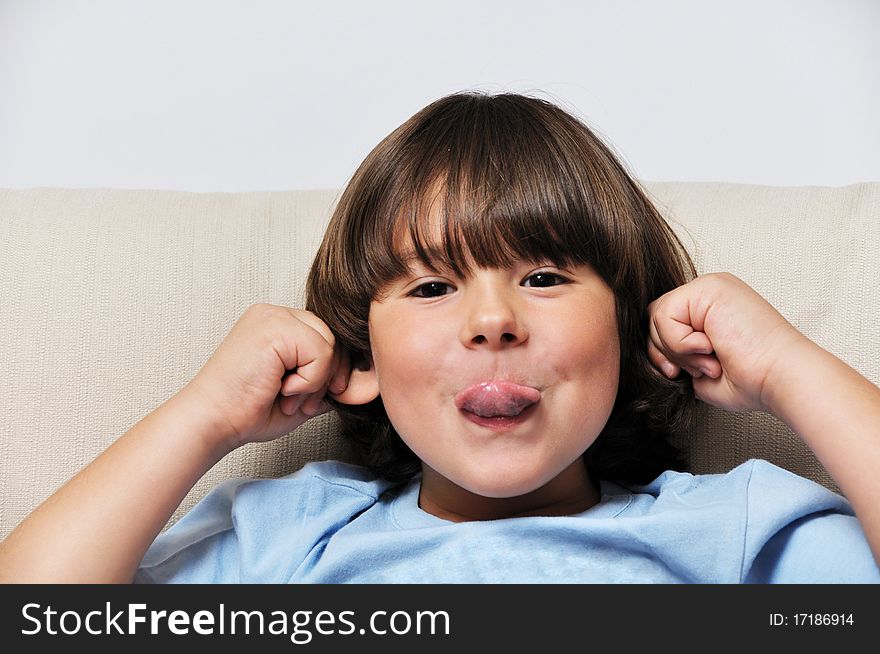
x,y
504,484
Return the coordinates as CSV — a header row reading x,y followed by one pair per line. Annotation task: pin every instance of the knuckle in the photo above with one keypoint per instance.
x,y
302,314
656,305
720,276
328,349
677,347
263,311
317,324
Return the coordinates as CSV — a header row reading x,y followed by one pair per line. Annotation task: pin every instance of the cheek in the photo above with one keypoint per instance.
x,y
589,367
604,352
412,369
592,345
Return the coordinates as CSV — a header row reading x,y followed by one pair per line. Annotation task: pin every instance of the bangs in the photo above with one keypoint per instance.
x,y
486,187
450,233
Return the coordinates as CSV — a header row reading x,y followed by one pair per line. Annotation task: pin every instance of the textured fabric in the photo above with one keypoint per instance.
x,y
812,252
333,523
113,300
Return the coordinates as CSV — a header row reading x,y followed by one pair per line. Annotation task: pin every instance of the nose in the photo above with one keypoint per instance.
x,y
493,320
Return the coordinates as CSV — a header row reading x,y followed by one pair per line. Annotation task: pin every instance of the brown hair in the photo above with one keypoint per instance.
x,y
516,177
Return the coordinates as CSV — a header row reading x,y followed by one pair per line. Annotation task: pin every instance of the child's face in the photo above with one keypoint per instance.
x,y
560,339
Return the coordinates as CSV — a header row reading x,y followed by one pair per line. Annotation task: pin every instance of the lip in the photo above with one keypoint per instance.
x,y
501,423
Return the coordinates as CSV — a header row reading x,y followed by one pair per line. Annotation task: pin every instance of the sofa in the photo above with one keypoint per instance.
x,y
113,299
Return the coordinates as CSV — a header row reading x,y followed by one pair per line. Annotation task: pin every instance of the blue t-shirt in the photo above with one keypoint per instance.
x,y
333,522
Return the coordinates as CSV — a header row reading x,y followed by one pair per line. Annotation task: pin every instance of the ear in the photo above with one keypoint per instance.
x,y
363,385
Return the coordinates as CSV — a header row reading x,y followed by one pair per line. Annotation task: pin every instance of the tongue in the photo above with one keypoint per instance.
x,y
491,399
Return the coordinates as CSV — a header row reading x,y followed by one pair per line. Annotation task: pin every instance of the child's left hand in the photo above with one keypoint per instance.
x,y
719,325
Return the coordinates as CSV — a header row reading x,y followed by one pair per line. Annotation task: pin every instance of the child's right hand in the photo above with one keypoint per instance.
x,y
269,375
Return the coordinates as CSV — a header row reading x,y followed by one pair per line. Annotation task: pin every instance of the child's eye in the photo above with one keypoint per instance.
x,y
547,276
433,286
435,289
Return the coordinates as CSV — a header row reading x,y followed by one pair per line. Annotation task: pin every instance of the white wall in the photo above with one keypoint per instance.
x,y
248,95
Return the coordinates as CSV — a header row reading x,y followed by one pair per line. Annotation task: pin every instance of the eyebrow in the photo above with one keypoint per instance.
x,y
438,255
434,254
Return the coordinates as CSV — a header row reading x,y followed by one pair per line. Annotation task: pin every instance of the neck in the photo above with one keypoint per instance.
x,y
571,491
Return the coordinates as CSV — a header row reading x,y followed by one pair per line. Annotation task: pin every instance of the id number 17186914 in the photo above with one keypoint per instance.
x,y
811,620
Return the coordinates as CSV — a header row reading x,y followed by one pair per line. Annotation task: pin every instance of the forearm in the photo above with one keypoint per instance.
x,y
836,411
97,527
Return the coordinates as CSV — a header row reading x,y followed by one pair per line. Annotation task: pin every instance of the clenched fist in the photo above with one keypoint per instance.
x,y
269,375
724,334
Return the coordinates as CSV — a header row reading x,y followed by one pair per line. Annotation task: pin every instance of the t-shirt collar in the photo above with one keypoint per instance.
x,y
407,513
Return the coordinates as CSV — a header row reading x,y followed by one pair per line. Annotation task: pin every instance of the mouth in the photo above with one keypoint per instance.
x,y
501,423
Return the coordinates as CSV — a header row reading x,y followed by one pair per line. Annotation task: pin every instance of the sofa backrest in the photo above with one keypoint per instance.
x,y
114,299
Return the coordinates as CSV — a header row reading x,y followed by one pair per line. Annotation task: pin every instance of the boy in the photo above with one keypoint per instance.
x,y
515,426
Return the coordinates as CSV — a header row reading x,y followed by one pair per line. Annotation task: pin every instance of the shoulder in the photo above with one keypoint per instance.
x,y
757,494
246,529
334,473
316,484
801,532
334,477
794,529
781,526
755,481
791,496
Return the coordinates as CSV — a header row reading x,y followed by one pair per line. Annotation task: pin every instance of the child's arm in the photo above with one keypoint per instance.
x,y
836,411
752,359
98,526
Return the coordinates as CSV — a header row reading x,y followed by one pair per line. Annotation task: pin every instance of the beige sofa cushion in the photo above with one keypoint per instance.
x,y
113,300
